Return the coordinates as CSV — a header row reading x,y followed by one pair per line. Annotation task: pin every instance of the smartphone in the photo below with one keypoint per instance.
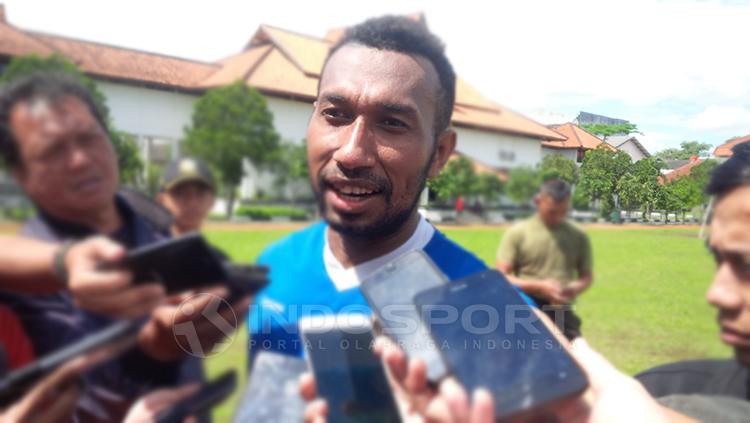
x,y
17,382
348,375
208,396
272,393
490,338
245,280
390,293
180,263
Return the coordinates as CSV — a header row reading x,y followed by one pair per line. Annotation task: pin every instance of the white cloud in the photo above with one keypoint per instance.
x,y
730,119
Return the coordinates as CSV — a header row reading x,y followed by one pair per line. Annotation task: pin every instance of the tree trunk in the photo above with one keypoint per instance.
x,y
230,202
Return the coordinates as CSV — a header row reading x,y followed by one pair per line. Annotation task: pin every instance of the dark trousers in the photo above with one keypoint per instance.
x,y
565,320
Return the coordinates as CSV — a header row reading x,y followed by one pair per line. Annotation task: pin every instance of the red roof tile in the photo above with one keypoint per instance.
x,y
576,137
725,150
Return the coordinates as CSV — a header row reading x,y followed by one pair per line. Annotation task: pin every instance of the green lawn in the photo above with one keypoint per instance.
x,y
646,306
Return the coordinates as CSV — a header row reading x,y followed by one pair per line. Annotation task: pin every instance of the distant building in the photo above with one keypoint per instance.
x,y
630,145
681,171
151,96
585,118
577,142
724,151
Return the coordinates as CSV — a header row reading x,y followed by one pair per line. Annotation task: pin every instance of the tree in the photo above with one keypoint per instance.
x,y
125,146
687,150
556,166
490,187
523,184
604,130
290,164
231,124
601,170
688,191
458,177
650,192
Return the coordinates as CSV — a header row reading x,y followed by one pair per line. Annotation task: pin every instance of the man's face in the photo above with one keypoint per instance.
x,y
371,139
550,211
730,290
190,203
67,165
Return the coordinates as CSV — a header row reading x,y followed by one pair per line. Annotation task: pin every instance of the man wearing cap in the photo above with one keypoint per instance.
x,y
188,192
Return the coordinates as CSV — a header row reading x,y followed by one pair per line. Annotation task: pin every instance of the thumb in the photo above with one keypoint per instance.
x,y
107,250
598,369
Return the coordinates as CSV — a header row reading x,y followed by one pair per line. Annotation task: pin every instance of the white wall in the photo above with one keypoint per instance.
x,y
147,111
290,118
568,153
502,151
633,151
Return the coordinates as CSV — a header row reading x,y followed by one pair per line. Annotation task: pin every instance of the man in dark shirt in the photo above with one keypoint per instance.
x,y
729,241
54,140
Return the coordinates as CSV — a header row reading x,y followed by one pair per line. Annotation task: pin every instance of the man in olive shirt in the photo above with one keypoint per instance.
x,y
549,257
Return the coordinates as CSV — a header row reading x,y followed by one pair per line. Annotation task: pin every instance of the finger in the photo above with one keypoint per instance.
x,y
598,369
105,249
93,281
482,408
62,406
416,378
316,411
396,362
130,303
307,388
456,398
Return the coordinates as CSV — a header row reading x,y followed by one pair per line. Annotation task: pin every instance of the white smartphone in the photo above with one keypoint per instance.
x,y
390,293
348,375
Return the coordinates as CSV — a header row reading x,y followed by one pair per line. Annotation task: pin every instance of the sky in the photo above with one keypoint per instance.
x,y
678,69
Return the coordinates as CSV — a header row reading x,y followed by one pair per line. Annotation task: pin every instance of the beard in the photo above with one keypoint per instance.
x,y
383,226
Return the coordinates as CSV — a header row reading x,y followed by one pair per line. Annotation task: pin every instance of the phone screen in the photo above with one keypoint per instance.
x,y
491,338
347,373
390,292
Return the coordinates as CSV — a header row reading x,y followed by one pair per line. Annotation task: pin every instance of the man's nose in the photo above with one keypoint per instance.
x,y
358,147
724,290
78,157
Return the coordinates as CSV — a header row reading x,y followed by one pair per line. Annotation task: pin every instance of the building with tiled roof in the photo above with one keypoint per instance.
x,y
629,144
151,95
724,151
683,170
576,143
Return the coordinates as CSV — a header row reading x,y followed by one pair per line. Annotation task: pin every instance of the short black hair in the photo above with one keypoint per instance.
x,y
50,86
405,35
731,174
556,189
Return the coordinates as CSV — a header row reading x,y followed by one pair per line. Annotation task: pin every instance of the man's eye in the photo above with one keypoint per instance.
x,y
392,123
335,114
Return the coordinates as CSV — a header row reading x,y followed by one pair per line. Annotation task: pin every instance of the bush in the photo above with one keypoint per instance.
x,y
267,213
18,213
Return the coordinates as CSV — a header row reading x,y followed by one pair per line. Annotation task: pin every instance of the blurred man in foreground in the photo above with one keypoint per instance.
x,y
54,140
549,257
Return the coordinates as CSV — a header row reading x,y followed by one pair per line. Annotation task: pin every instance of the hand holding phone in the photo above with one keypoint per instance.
x,y
490,338
209,395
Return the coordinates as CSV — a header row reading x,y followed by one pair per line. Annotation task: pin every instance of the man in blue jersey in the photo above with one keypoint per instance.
x,y
380,128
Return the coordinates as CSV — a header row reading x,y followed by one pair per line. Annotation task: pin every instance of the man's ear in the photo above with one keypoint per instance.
x,y
446,145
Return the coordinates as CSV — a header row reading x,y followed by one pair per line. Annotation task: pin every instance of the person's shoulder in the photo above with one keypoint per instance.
x,y
303,240
454,260
683,377
573,227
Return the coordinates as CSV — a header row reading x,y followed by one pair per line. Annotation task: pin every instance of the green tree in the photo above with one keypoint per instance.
x,y
523,184
687,150
125,146
688,192
458,177
650,192
490,187
556,166
604,130
231,124
601,170
291,163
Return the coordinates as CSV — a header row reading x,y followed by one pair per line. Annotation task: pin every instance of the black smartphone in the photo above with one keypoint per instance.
x,y
180,263
272,392
390,292
245,280
490,338
348,375
17,382
208,396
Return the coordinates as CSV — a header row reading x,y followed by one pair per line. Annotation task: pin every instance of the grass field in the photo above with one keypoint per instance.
x,y
646,306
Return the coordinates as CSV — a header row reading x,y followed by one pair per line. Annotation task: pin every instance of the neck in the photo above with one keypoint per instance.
x,y
104,220
178,230
351,251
